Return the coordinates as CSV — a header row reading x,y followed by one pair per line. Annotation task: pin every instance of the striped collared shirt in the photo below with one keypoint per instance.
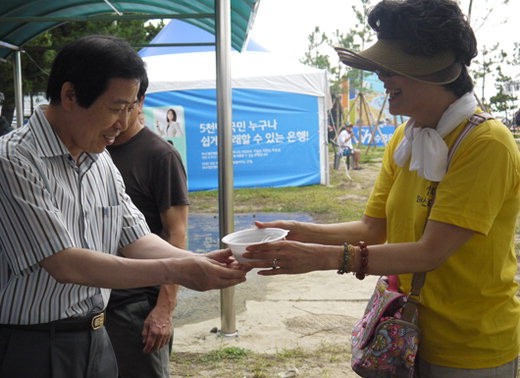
x,y
49,202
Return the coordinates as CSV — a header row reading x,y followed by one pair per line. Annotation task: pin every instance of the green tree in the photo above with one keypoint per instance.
x,y
488,63
356,39
40,52
313,56
516,54
502,102
487,66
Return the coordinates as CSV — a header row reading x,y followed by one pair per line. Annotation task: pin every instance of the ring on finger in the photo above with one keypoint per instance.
x,y
274,264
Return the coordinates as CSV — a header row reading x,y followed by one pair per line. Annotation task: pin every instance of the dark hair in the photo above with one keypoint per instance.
x,y
5,127
89,63
426,28
174,115
143,86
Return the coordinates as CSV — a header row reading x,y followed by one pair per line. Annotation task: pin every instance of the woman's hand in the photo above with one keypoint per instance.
x,y
296,229
292,257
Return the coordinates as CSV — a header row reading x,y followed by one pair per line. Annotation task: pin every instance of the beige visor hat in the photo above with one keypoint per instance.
x,y
389,56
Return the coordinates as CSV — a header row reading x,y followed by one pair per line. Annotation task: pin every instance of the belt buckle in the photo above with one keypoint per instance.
x,y
97,321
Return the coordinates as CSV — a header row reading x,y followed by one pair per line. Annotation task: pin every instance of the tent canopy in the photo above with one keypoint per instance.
x,y
178,37
186,67
22,20
251,69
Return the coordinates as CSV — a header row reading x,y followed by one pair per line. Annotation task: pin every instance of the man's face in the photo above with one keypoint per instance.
x,y
135,112
94,128
134,124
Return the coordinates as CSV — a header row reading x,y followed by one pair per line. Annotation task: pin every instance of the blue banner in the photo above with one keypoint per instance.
x,y
275,136
370,135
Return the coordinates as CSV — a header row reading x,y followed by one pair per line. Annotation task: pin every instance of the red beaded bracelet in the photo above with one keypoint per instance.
x,y
363,255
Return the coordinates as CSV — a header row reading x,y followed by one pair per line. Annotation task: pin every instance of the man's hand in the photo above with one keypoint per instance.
x,y
157,329
223,256
200,273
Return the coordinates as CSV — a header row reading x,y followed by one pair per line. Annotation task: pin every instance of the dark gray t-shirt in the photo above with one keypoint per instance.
x,y
155,180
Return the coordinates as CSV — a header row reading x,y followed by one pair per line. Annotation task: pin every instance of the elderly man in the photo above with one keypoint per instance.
x,y
69,231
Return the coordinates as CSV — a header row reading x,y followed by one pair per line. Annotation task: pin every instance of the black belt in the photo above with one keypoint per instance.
x,y
90,322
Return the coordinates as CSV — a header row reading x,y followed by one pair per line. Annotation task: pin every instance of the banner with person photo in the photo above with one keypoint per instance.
x,y
276,136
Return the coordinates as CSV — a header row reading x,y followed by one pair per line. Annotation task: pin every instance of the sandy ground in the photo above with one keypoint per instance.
x,y
275,313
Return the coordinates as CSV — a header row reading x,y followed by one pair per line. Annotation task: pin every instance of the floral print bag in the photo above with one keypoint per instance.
x,y
386,339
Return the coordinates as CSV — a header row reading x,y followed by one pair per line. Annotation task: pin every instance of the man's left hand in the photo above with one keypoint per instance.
x,y
157,330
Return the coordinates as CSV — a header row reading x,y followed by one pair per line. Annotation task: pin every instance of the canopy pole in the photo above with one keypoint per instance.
x,y
18,94
225,150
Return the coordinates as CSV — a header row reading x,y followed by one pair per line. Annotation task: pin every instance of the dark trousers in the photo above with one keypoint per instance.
x,y
55,354
124,325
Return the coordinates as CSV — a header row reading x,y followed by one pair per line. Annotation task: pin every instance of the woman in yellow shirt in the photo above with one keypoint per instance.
x,y
469,313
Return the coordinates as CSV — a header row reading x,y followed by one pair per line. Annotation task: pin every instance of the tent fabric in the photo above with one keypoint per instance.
x,y
250,69
279,114
187,67
22,20
190,36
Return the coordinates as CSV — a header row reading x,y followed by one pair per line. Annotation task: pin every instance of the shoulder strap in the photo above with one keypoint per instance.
x,y
419,278
474,120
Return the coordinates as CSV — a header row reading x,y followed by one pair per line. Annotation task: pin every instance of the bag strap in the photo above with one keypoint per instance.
x,y
418,279
474,120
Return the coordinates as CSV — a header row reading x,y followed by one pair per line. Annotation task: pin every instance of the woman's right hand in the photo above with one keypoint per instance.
x,y
292,257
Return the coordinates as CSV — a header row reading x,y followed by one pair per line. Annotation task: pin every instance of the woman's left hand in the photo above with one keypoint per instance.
x,y
292,257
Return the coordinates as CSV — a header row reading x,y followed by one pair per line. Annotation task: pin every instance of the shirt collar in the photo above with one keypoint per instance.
x,y
47,141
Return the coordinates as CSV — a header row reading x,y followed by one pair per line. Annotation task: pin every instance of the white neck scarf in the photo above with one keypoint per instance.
x,y
429,152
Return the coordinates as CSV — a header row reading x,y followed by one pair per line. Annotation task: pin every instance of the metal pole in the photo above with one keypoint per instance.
x,y
225,150
18,93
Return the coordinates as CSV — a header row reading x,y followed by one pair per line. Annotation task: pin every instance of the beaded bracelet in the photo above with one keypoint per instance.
x,y
346,265
363,266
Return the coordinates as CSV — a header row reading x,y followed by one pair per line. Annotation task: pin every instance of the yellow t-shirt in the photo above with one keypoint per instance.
x,y
469,315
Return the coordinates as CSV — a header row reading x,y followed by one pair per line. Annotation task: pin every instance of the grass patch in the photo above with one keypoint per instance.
x,y
240,363
340,201
226,354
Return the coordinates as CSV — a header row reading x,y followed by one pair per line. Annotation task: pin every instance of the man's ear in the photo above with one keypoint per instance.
x,y
68,95
140,105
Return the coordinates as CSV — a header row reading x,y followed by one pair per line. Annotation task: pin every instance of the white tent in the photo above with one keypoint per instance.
x,y
287,99
250,69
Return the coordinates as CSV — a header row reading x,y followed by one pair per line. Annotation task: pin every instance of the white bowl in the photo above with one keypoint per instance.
x,y
239,240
